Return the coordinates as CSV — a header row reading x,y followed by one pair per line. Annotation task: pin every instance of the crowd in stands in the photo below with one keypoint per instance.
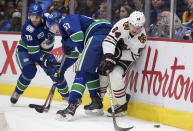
x,y
11,13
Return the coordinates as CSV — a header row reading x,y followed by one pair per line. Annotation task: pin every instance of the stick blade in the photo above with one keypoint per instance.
x,y
34,105
39,109
117,128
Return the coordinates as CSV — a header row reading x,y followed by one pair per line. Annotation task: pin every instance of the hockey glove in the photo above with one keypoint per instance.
x,y
107,65
48,60
58,78
66,49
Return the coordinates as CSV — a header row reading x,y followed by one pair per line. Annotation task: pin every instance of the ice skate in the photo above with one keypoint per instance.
x,y
119,110
95,107
69,112
14,98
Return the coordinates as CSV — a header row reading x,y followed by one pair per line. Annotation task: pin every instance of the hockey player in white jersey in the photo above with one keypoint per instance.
x,y
121,47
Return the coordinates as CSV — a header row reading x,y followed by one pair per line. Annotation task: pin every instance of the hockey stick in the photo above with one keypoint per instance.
x,y
117,128
45,107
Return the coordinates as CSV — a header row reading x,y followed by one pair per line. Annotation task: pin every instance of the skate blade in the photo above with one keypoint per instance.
x,y
121,114
61,118
95,112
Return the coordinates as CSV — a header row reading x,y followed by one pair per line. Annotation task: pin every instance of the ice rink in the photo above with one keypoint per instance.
x,y
20,117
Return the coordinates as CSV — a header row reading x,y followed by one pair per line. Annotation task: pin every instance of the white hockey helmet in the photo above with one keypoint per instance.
x,y
137,18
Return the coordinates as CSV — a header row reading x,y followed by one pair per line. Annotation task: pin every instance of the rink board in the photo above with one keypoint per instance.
x,y
160,82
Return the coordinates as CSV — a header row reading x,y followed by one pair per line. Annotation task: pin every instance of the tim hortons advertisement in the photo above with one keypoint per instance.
x,y
163,76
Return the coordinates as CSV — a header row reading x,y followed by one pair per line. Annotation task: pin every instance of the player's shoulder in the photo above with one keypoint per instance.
x,y
122,24
68,20
71,17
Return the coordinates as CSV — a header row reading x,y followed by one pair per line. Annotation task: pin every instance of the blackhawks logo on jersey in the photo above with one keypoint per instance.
x,y
126,26
142,38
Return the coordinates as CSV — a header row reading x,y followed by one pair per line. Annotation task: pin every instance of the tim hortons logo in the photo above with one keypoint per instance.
x,y
161,83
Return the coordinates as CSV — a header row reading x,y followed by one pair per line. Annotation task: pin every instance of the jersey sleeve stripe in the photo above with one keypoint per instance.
x,y
23,44
33,49
77,37
73,54
113,38
132,55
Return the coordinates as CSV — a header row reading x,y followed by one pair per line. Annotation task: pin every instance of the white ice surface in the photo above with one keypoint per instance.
x,y
20,117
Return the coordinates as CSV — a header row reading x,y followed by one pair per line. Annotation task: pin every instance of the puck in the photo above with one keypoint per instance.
x,y
157,126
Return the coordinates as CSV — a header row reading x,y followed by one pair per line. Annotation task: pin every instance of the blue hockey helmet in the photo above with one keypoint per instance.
x,y
35,9
54,17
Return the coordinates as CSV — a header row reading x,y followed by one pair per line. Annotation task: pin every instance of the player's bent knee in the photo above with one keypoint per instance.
x,y
103,81
29,71
116,74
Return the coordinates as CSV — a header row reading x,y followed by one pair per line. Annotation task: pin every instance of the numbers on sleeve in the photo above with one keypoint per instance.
x,y
66,26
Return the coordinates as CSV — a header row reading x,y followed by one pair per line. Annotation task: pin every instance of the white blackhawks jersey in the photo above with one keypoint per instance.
x,y
132,45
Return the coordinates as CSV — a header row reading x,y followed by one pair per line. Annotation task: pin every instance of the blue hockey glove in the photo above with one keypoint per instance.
x,y
48,60
58,78
107,65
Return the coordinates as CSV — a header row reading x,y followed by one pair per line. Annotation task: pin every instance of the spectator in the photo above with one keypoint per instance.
x,y
56,5
91,8
125,11
4,23
10,8
63,11
79,7
188,2
19,6
188,15
157,6
136,4
181,7
16,22
2,5
115,14
102,11
186,32
162,27
45,4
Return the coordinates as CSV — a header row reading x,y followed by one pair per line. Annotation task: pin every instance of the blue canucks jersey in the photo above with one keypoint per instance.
x,y
76,29
33,40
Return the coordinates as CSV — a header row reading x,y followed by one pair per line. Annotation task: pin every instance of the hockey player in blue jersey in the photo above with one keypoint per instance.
x,y
86,35
34,48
